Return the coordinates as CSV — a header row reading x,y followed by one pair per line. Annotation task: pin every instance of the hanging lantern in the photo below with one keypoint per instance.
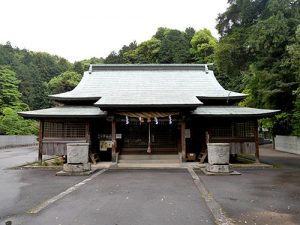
x,y
127,120
170,119
155,120
140,119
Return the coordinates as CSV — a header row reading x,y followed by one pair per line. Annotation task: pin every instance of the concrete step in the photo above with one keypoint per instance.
x,y
149,157
149,161
149,165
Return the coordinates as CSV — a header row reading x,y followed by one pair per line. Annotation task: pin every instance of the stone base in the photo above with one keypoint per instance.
x,y
217,168
77,168
207,173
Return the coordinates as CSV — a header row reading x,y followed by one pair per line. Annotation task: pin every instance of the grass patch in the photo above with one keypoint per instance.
x,y
277,166
58,161
242,160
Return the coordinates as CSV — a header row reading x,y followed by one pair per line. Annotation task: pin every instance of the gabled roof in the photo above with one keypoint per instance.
x,y
65,112
148,85
232,111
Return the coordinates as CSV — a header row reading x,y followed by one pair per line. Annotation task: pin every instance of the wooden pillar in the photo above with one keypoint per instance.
x,y
41,131
183,143
87,132
256,142
114,142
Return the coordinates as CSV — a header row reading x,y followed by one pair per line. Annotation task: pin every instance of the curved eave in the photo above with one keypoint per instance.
x,y
64,112
37,116
239,97
63,98
233,111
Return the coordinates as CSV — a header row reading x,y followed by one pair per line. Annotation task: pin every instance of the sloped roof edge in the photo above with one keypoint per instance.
x,y
65,112
233,111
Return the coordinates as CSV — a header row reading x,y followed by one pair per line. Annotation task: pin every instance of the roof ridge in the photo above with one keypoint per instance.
x,y
103,67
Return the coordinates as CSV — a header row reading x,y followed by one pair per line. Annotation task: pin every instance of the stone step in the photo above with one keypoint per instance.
x,y
149,161
149,165
149,157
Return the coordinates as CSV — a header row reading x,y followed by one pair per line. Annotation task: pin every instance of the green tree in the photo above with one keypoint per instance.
x,y
174,46
32,69
146,52
118,58
66,81
189,33
258,52
10,103
232,59
294,60
78,67
296,114
203,46
12,124
9,93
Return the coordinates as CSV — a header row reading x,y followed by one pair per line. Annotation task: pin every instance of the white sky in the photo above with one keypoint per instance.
x,y
81,29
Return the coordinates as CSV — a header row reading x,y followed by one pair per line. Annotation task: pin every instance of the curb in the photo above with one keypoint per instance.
x,y
214,207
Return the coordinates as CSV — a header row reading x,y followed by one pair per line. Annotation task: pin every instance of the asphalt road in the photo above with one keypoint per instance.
x,y
20,190
129,197
280,160
261,196
134,197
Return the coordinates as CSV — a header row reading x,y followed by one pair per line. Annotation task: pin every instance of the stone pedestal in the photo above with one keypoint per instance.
x,y
77,153
77,158
217,168
218,157
77,168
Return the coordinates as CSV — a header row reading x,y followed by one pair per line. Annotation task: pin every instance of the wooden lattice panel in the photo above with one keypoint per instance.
x,y
64,129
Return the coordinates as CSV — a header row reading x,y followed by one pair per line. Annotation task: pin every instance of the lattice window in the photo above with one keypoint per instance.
x,y
234,130
224,131
245,129
64,129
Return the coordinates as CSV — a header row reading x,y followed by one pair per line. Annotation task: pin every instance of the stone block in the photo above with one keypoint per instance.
x,y
77,153
218,153
77,168
218,168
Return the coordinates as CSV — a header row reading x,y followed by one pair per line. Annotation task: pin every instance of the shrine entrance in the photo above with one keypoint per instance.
x,y
149,138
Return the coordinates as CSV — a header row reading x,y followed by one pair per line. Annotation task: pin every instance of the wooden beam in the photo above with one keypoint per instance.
x,y
41,131
114,141
256,142
87,132
183,144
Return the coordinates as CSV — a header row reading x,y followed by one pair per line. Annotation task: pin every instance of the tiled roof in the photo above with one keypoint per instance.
x,y
232,111
65,111
148,85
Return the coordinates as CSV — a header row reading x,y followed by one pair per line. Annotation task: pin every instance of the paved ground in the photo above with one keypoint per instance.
x,y
279,159
261,196
11,157
21,190
129,197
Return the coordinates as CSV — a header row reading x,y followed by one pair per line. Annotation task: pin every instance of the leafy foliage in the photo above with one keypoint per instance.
x,y
203,46
259,53
64,82
10,104
32,69
12,124
9,93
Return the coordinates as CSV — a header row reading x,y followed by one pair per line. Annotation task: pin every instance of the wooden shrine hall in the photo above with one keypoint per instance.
x,y
173,109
